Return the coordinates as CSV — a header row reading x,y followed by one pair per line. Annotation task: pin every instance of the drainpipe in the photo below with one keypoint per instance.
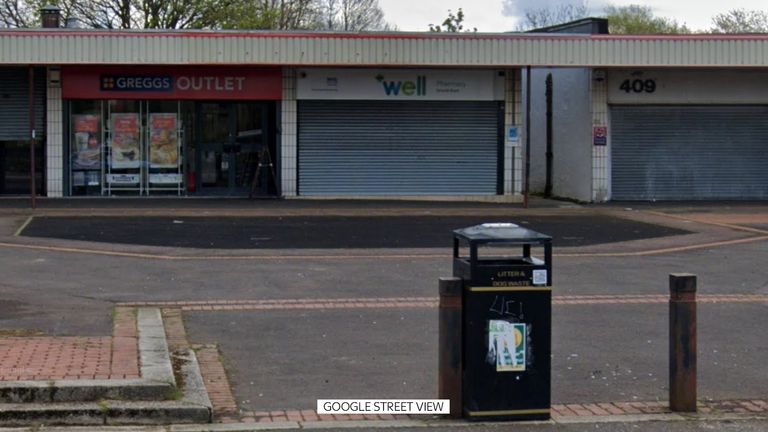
x,y
32,186
527,136
550,154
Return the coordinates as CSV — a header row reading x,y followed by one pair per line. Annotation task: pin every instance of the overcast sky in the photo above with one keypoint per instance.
x,y
488,15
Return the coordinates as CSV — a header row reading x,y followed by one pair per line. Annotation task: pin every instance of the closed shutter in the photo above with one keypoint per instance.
x,y
689,152
14,103
398,148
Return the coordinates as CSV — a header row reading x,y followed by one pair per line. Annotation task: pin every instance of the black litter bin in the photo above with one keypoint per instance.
x,y
507,325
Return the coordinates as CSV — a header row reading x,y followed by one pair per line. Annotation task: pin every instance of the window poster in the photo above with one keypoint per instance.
x,y
163,141
506,345
86,150
126,143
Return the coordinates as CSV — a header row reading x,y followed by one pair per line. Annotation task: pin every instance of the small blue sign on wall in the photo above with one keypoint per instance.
x,y
513,135
600,135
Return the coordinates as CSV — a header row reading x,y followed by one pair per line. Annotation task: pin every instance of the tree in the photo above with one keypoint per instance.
x,y
21,13
148,14
741,21
267,14
350,15
545,17
195,14
452,24
637,19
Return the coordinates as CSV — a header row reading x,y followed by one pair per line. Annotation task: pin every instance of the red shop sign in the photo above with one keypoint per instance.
x,y
172,83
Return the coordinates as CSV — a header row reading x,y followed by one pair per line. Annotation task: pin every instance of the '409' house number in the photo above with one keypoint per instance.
x,y
638,86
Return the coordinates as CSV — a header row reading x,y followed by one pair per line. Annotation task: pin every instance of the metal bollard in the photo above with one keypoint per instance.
x,y
449,347
682,342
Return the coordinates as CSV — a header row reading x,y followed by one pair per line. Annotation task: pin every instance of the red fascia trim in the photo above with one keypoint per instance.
x,y
194,34
709,37
287,35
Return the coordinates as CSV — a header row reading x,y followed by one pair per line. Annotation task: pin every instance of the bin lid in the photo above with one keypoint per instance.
x,y
501,232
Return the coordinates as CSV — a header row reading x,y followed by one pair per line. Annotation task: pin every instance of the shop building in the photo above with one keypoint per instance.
x,y
324,115
144,131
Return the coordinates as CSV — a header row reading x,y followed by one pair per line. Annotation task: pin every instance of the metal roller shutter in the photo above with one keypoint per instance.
x,y
14,103
689,152
398,148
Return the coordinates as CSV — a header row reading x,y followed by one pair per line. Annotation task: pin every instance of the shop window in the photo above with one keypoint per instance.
x,y
126,147
86,145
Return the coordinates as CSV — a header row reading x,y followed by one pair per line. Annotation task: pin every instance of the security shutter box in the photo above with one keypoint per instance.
x,y
398,147
689,152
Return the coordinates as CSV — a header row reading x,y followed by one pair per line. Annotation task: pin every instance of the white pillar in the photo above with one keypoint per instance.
x,y
54,135
288,134
513,161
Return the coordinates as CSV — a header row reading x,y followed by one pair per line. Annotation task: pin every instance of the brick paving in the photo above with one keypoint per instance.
x,y
754,407
217,384
211,368
51,358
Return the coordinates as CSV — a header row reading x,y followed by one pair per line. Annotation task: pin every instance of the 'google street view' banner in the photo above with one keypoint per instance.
x,y
399,84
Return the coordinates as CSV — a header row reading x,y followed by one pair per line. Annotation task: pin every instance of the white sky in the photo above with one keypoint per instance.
x,y
486,15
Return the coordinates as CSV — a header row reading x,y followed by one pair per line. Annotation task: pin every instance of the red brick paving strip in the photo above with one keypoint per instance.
x,y
211,368
217,384
757,407
51,358
174,329
125,344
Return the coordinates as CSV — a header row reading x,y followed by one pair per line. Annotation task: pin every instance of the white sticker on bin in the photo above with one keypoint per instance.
x,y
539,277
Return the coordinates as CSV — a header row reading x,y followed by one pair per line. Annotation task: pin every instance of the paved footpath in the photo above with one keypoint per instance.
x,y
276,329
44,358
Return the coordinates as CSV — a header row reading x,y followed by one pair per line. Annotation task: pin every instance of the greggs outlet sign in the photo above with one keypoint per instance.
x,y
171,83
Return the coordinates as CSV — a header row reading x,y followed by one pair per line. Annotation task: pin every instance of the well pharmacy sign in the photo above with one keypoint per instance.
x,y
394,84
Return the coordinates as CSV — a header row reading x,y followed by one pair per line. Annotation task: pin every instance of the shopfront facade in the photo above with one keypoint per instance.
x,y
681,135
400,132
149,131
186,113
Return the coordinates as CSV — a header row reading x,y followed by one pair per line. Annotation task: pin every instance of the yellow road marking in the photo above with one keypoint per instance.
x,y
23,226
705,222
368,256
666,250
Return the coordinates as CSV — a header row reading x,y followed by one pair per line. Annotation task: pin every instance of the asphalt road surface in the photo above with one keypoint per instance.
x,y
327,232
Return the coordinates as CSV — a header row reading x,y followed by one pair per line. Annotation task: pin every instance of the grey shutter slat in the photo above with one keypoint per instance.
x,y
397,148
14,103
689,152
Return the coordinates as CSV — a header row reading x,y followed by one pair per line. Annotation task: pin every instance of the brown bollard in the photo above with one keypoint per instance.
x,y
449,347
682,342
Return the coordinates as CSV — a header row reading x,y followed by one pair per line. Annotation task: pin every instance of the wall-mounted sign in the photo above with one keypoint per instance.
x,y
661,86
600,135
513,136
165,178
174,83
123,179
397,84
